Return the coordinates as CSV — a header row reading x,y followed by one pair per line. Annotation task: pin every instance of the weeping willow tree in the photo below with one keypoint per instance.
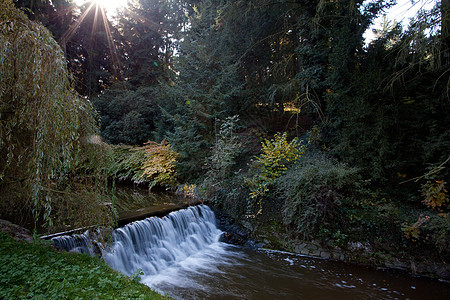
x,y
43,121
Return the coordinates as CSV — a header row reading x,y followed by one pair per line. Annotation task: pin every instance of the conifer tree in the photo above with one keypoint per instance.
x,y
129,108
203,88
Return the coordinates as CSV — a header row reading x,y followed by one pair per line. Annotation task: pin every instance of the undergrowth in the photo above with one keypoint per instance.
x,y
314,191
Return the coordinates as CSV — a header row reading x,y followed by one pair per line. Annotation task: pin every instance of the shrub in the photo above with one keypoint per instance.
x,y
426,232
277,154
227,147
153,163
437,233
313,192
413,231
435,194
231,196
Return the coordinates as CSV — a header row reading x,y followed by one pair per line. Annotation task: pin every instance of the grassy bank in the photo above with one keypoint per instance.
x,y
35,270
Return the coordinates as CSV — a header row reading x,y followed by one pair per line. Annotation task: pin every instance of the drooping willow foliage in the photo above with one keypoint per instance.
x,y
42,119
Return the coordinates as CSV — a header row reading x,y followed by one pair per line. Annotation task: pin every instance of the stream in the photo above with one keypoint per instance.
x,y
182,256
229,272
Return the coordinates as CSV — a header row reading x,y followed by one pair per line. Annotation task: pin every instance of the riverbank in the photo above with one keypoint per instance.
x,y
36,270
362,253
324,208
356,253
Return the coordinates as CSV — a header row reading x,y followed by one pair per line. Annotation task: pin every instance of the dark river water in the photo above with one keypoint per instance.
x,y
229,272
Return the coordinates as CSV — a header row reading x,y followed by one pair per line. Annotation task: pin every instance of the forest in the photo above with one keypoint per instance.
x,y
278,113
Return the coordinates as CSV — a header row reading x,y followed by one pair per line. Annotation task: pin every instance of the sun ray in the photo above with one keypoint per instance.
x,y
98,13
94,24
148,23
109,5
69,33
111,44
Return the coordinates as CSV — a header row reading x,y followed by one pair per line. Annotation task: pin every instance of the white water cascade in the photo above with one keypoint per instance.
x,y
154,244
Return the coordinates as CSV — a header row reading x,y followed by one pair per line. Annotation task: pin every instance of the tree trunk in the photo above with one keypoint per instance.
x,y
445,32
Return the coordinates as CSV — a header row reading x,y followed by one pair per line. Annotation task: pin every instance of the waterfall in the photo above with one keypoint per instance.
x,y
74,243
154,244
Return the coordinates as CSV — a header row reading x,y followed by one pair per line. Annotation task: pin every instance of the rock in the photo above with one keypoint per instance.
x,y
314,242
399,265
314,252
338,256
396,264
304,251
381,256
311,247
299,248
418,268
17,232
442,271
325,254
233,233
360,247
247,225
253,245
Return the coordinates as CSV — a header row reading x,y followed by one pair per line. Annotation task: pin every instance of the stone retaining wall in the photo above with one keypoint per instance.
x,y
361,254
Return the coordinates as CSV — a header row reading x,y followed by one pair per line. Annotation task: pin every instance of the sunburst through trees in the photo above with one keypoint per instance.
x,y
91,46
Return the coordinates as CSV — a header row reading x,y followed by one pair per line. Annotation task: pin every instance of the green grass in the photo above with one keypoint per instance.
x,y
38,271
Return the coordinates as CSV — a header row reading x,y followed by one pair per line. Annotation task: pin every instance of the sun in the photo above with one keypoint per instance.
x,y
109,5
104,12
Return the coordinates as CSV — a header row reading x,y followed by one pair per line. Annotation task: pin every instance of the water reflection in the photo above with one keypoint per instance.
x,y
133,199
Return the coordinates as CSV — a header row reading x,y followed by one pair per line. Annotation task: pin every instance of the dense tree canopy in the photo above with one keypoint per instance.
x,y
177,67
374,114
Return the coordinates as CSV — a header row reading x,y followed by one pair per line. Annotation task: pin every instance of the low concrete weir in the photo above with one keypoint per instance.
x,y
154,244
176,230
125,218
160,211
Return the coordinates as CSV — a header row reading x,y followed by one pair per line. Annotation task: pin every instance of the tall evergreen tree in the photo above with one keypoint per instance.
x,y
392,121
203,89
149,29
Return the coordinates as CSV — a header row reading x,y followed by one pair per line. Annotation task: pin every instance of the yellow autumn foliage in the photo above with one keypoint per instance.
x,y
272,163
153,163
435,194
159,165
